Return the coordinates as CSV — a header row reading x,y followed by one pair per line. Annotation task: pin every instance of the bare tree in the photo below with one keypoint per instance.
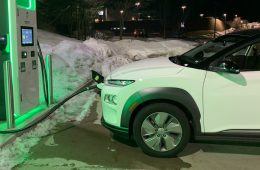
x,y
236,23
70,17
124,9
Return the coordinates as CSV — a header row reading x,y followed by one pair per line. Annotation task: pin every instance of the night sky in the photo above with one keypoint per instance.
x,y
247,9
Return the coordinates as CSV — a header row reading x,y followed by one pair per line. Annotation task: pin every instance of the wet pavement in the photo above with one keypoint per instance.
x,y
90,146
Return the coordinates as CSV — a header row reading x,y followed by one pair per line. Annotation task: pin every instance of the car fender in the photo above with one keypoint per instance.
x,y
174,95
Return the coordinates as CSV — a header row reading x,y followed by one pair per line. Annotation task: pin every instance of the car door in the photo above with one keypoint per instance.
x,y
232,101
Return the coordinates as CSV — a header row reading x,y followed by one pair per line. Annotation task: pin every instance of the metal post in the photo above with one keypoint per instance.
x,y
215,26
121,24
9,95
78,22
183,17
48,62
225,25
164,20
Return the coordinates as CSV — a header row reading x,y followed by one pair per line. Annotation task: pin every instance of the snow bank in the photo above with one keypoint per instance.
x,y
230,30
127,51
244,26
138,50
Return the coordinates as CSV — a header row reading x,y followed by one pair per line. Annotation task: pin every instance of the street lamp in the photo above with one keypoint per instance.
x,y
201,15
183,11
101,14
96,20
242,22
183,7
225,16
121,24
138,4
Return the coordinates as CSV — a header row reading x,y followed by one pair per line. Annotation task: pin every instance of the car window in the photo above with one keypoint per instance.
x,y
209,49
247,59
241,52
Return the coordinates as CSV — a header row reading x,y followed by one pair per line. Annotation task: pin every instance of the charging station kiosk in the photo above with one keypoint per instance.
x,y
19,77
21,100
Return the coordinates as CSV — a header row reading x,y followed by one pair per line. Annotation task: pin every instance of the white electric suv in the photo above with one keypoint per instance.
x,y
212,92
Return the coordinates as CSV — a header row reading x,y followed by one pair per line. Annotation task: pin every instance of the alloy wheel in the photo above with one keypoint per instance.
x,y
161,131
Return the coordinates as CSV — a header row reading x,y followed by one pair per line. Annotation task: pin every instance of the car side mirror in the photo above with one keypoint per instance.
x,y
227,67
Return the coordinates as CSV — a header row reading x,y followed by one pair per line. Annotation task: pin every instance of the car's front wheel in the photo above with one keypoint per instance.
x,y
161,130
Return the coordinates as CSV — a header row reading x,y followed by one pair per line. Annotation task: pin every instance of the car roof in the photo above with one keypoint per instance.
x,y
247,33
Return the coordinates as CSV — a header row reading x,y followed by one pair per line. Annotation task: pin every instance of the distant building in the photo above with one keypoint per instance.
x,y
109,20
113,15
205,27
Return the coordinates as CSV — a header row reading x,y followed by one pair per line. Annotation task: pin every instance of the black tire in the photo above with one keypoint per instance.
x,y
171,110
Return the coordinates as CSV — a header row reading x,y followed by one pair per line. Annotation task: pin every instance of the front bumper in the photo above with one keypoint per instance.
x,y
113,112
122,132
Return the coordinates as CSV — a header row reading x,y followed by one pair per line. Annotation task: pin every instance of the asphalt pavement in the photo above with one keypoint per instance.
x,y
90,146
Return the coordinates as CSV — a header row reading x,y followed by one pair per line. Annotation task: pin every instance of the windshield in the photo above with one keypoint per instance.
x,y
201,53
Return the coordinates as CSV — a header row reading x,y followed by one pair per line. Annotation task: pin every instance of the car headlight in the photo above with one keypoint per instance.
x,y
120,82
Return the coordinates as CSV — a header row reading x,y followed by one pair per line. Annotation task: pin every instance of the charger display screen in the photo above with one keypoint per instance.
x,y
27,36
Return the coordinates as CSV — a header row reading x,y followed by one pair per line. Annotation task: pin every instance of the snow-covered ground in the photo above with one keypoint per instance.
x,y
72,62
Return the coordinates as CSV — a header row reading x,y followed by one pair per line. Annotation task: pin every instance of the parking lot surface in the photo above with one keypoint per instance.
x,y
90,146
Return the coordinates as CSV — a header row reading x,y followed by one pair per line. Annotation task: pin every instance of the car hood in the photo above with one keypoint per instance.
x,y
146,68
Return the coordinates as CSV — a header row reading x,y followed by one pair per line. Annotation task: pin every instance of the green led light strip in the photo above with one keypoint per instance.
x,y
19,120
7,48
7,91
14,53
27,4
